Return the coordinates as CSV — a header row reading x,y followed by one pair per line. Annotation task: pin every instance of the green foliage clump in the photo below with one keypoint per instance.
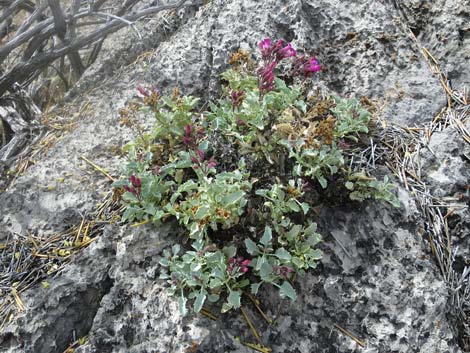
x,y
240,178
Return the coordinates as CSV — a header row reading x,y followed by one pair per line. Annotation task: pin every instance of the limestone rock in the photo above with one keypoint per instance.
x,y
377,280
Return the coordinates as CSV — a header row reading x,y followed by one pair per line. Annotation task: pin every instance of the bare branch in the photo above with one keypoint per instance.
x,y
59,18
23,38
37,14
97,5
10,10
74,56
34,59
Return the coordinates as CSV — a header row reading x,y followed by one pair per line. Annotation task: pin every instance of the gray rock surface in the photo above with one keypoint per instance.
x,y
376,280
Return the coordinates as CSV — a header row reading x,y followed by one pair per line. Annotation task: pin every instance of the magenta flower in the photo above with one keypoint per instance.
x,y
311,67
135,181
129,189
143,91
343,145
283,271
187,139
237,98
277,52
266,77
285,52
200,154
265,48
238,265
278,45
136,186
240,122
212,163
306,67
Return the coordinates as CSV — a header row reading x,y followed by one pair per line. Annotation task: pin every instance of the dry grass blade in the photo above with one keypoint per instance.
x,y
401,149
350,335
258,347
250,324
27,260
98,168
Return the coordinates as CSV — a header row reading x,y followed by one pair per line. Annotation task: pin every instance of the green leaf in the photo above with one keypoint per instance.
x,y
297,262
202,212
243,283
349,185
164,275
225,307
258,262
283,254
286,290
267,236
188,186
255,287
215,282
251,247
213,298
316,254
230,251
204,145
182,304
175,249
266,270
129,197
293,205
322,181
188,257
294,232
233,198
199,302
314,239
280,194
311,229
214,257
301,105
179,176
234,299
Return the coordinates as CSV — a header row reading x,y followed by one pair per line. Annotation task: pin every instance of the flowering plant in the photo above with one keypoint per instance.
x,y
242,177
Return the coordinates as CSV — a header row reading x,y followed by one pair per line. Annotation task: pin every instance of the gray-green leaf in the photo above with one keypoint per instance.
x,y
286,290
199,302
251,247
232,198
283,254
255,287
234,299
267,236
265,271
182,305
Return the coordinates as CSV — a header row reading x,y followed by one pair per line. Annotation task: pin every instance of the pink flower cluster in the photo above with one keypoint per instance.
x,y
200,162
280,50
187,139
306,66
283,271
272,54
237,265
266,77
191,136
136,185
147,92
237,98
